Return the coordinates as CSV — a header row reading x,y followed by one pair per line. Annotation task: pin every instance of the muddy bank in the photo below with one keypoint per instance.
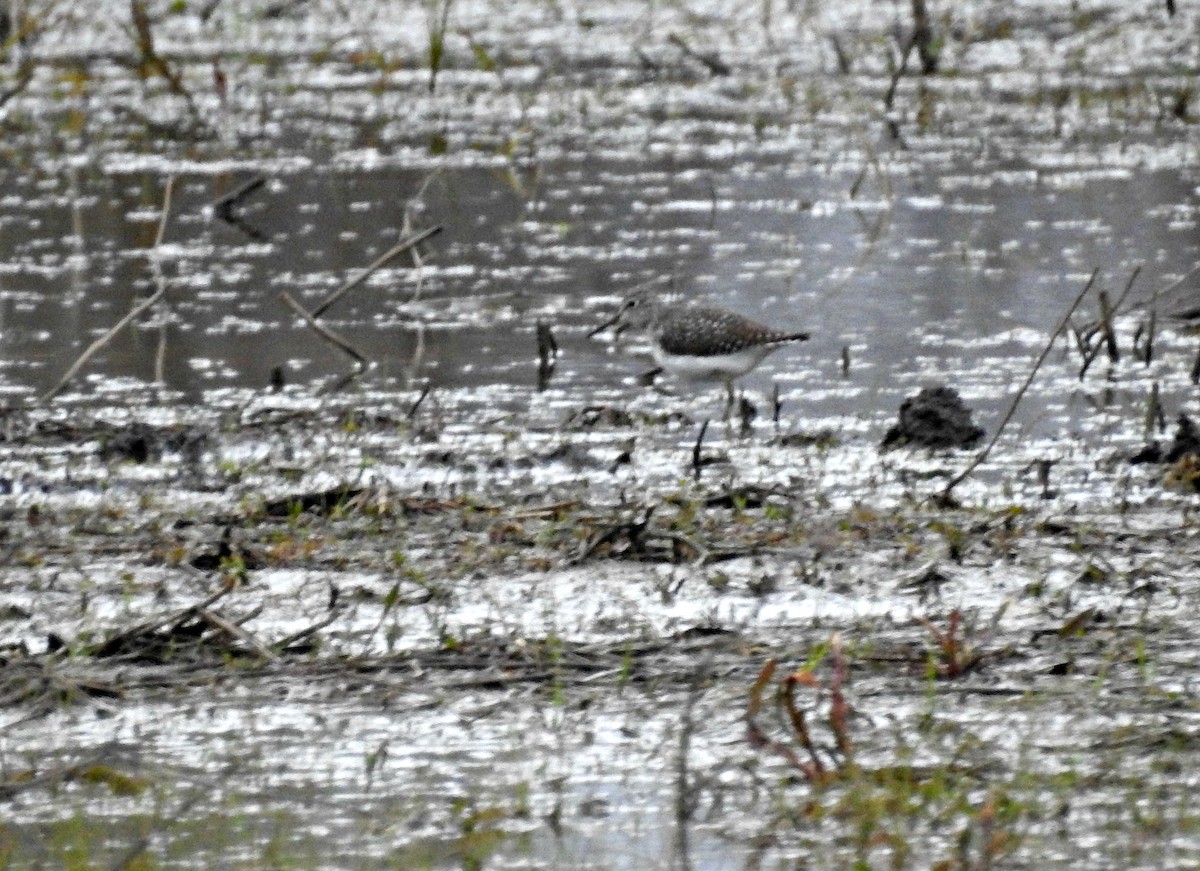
x,y
457,645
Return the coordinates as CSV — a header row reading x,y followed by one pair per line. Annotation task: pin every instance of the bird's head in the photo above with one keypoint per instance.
x,y
637,311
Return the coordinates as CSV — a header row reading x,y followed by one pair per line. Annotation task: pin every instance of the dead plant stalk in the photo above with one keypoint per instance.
x,y
1012,408
134,312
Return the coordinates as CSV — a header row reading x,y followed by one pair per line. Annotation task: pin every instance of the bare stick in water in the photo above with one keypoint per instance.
x,y
399,248
133,312
1107,312
325,333
1012,408
697,464
225,206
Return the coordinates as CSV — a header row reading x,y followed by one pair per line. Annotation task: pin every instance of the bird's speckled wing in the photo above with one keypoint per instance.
x,y
703,331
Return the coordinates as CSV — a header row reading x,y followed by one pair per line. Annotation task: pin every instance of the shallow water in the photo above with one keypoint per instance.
x,y
949,251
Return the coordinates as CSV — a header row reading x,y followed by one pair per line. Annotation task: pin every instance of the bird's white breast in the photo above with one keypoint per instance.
x,y
712,366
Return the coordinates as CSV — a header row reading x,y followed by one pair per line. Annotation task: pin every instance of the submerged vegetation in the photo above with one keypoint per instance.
x,y
329,540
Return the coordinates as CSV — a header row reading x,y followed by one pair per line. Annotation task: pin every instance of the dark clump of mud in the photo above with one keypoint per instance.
x,y
1181,457
934,418
140,442
1186,441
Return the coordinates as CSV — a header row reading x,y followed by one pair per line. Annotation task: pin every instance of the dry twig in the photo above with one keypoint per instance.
x,y
399,248
327,334
133,313
944,496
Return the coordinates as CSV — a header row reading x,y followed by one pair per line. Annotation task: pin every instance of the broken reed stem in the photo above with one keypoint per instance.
x,y
685,792
1012,408
890,96
715,65
160,355
412,412
1148,357
24,77
325,333
697,466
1106,324
839,709
233,630
160,282
151,63
26,27
282,645
399,248
547,346
418,356
411,207
923,38
173,618
547,349
1089,355
1137,270
799,724
1154,411
843,59
224,206
1108,339
1174,285
1148,352
133,312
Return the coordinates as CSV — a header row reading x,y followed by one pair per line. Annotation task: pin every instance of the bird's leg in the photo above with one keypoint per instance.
x,y
746,412
729,397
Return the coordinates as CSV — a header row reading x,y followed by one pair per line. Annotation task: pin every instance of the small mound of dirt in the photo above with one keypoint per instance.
x,y
934,418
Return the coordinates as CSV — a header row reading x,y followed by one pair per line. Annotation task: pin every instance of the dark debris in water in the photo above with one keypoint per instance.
x,y
1185,441
139,442
136,441
934,418
228,555
822,438
613,417
199,635
320,502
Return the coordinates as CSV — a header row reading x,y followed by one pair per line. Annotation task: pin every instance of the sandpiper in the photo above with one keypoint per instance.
x,y
698,342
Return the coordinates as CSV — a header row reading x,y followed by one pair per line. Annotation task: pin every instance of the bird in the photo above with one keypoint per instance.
x,y
698,343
